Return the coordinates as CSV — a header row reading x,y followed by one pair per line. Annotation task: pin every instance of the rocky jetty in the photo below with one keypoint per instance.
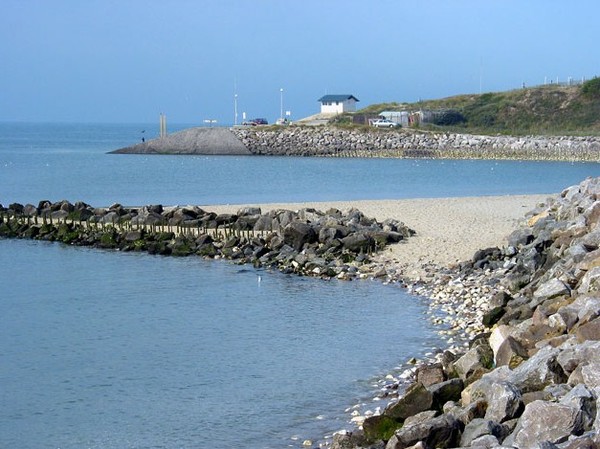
x,y
328,141
408,143
308,242
529,376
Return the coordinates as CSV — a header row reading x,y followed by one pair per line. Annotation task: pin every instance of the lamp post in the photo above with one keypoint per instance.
x,y
235,113
281,104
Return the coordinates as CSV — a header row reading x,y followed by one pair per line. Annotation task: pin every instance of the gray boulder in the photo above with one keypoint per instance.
x,y
582,398
297,234
249,211
590,282
551,289
443,392
264,223
511,353
504,401
478,428
571,357
589,331
521,237
467,413
539,371
430,374
416,399
590,373
440,432
477,358
359,242
546,421
485,442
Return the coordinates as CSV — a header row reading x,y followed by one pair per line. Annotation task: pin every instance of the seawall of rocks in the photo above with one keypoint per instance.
x,y
530,375
307,242
403,143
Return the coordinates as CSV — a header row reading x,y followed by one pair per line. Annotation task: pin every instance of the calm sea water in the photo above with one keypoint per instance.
x,y
59,162
101,349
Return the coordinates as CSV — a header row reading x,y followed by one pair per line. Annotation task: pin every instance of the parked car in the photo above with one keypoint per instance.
x,y
256,121
385,123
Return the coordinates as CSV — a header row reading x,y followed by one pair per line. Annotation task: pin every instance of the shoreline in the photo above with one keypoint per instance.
x,y
438,245
511,281
453,236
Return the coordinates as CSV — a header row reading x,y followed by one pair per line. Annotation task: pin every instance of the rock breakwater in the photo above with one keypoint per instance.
x,y
307,242
332,142
529,375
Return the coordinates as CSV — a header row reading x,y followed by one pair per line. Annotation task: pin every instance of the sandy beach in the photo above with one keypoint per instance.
x,y
448,230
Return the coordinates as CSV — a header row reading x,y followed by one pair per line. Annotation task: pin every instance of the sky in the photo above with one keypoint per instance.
x,y
127,61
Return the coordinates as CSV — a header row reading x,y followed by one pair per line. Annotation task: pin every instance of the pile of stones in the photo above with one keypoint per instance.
x,y
529,376
331,141
308,242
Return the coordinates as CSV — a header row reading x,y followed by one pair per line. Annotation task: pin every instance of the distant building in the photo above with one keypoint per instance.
x,y
336,104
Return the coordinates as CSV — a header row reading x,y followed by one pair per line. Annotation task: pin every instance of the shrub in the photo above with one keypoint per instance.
x,y
448,118
591,88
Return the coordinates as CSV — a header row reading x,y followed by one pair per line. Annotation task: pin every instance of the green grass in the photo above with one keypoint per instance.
x,y
544,110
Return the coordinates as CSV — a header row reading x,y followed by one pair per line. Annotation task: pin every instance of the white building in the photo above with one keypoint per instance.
x,y
336,104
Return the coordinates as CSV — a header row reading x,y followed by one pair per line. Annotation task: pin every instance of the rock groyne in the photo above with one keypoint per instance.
x,y
307,242
328,141
337,142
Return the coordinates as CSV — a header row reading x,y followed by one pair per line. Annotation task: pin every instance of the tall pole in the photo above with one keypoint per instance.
x,y
235,113
162,125
281,105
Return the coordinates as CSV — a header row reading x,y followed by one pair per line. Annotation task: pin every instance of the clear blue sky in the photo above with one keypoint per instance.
x,y
129,60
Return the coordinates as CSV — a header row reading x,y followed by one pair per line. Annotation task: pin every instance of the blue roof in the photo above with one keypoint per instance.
x,y
333,98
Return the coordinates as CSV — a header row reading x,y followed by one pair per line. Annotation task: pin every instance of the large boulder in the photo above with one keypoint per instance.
x,y
590,373
467,413
590,282
380,427
430,374
480,427
358,242
572,356
443,392
551,289
546,421
540,370
582,398
416,399
589,331
297,234
511,353
440,432
504,402
478,358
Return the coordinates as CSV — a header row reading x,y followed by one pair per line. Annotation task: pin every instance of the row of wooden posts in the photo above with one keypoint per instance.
x,y
221,233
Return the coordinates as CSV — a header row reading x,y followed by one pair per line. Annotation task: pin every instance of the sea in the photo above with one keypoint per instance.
x,y
102,349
